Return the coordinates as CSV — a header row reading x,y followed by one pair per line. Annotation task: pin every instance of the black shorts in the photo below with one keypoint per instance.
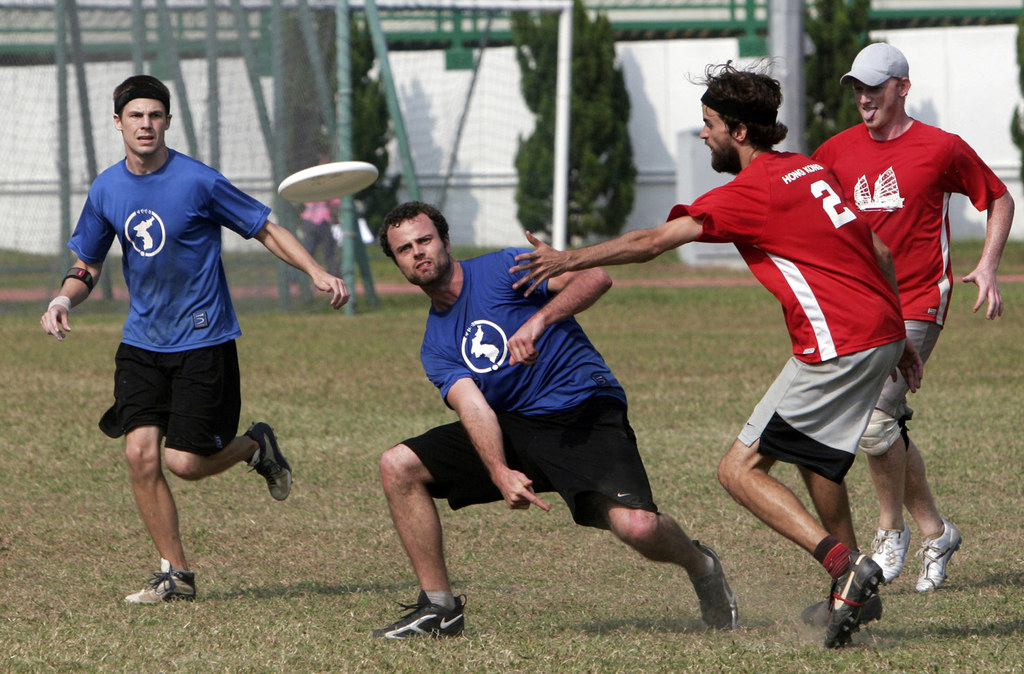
x,y
194,396
588,450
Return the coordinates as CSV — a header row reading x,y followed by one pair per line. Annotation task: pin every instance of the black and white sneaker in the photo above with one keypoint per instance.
x,y
426,620
718,606
167,584
269,462
850,593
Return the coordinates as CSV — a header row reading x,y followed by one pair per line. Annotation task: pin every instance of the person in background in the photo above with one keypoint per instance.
x,y
318,219
898,173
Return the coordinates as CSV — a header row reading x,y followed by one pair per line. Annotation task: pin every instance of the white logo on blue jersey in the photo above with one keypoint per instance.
x,y
484,346
145,230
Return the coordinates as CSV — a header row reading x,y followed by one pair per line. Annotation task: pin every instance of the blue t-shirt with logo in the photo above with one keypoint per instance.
x,y
169,226
470,339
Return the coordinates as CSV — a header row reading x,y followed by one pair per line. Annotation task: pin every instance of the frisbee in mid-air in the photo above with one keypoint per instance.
x,y
327,181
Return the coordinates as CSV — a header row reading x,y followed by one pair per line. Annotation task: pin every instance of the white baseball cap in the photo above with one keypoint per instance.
x,y
876,63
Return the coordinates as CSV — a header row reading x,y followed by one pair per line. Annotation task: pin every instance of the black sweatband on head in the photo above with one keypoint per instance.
x,y
743,113
82,275
141,92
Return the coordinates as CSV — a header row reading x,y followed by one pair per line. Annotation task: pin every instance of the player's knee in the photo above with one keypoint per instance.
x,y
398,465
143,460
637,528
732,466
183,464
882,433
726,473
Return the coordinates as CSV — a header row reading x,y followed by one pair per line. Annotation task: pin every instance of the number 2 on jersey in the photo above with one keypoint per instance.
x,y
832,204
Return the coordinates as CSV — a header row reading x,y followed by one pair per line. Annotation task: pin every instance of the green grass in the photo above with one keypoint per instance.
x,y
297,586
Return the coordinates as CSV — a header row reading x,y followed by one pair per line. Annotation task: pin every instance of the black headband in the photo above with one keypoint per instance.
x,y
743,113
141,92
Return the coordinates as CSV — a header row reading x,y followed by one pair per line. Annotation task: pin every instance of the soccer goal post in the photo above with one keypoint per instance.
x,y
562,91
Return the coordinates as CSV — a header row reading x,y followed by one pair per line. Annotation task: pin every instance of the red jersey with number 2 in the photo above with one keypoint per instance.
x,y
803,242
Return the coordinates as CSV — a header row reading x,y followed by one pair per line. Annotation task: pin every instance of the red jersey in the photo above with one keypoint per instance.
x,y
901,187
786,217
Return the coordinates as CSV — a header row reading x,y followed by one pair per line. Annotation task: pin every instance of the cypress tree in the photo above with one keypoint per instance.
x,y
1017,125
602,175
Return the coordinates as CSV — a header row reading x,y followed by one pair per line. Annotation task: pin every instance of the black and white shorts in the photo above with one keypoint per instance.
x,y
814,413
590,449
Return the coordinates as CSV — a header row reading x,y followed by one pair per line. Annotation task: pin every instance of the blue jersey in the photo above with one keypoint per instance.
x,y
470,339
169,226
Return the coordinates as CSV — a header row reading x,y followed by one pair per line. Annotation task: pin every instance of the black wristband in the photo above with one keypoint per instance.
x,y
82,275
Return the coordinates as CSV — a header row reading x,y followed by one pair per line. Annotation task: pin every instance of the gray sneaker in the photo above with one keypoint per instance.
x,y
718,606
269,462
167,584
935,554
889,550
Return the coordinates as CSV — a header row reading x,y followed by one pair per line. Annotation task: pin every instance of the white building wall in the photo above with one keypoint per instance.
x,y
964,80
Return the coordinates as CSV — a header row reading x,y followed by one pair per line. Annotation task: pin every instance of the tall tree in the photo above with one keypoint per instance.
x,y
838,29
1017,125
602,175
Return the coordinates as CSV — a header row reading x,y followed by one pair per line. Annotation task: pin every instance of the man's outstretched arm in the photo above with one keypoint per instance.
x,y
287,248
639,245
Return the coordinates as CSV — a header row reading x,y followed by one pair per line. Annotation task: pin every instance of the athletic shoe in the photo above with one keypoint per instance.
x,y
816,614
717,602
889,550
167,584
935,553
270,462
426,620
850,592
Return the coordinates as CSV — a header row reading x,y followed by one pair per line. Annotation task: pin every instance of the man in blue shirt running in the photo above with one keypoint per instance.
x,y
539,411
177,379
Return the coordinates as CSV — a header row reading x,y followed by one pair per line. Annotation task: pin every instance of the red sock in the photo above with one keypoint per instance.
x,y
833,555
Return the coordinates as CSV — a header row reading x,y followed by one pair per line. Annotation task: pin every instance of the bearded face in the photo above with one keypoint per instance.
x,y
726,159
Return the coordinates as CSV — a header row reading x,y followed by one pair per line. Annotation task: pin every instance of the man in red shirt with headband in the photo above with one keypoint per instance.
x,y
835,282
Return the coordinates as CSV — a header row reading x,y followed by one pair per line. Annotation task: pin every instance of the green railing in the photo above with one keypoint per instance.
x,y
27,30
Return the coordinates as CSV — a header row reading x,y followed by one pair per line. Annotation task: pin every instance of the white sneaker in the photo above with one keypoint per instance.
x,y
935,553
889,550
166,584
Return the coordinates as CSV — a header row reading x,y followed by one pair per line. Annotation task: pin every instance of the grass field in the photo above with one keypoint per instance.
x,y
297,586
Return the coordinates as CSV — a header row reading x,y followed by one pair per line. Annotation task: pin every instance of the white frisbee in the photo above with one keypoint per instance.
x,y
327,181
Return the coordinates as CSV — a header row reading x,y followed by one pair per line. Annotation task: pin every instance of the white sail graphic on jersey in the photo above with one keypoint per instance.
x,y
886,196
